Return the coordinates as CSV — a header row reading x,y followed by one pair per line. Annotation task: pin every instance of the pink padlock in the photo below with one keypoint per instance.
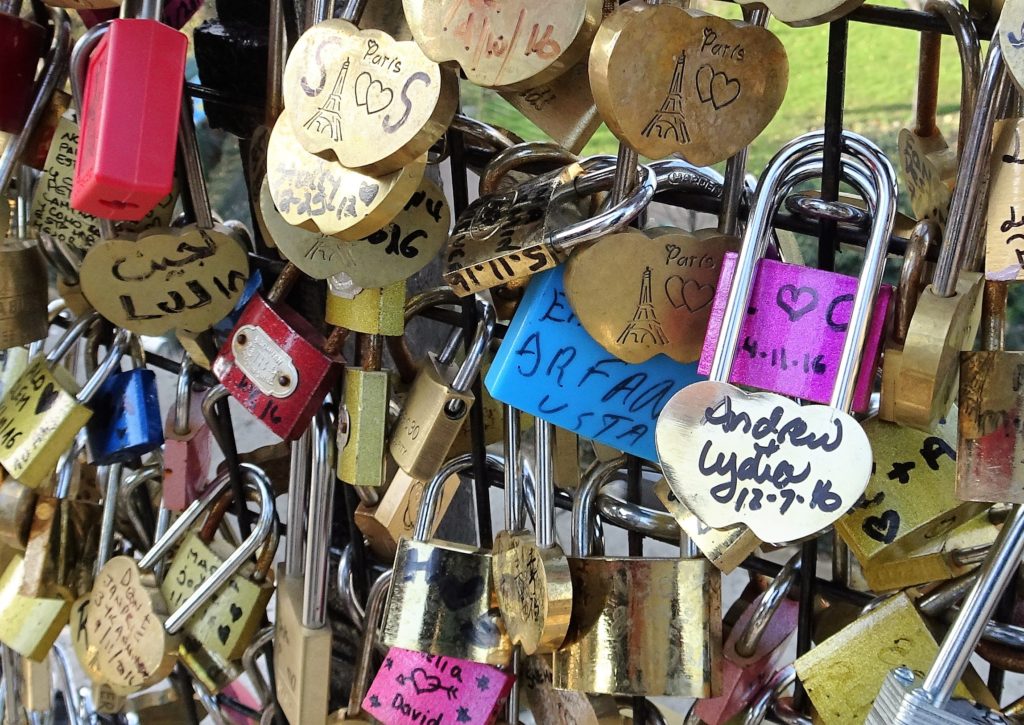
x,y
186,445
752,650
793,331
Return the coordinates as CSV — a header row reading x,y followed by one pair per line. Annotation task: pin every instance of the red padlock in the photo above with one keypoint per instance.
x,y
276,364
22,44
130,105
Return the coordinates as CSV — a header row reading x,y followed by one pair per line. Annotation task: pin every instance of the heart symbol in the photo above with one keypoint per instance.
x,y
336,69
368,192
424,683
789,299
786,471
701,74
371,94
236,612
223,632
46,399
697,296
882,528
167,279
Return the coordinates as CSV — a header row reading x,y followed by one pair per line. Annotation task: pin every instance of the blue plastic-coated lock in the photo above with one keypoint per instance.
x,y
550,367
126,418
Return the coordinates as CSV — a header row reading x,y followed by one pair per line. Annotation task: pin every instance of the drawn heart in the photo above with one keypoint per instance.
x,y
169,279
339,92
223,632
368,192
236,612
424,683
46,398
699,74
883,528
395,252
492,43
639,294
791,300
371,94
800,13
786,471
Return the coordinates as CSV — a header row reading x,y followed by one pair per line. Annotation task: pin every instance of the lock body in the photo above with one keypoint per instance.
x,y
23,289
29,625
361,461
374,311
301,695
186,459
22,43
126,418
129,134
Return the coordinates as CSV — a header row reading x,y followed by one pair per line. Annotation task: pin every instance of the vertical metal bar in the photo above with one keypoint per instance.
x,y
230,451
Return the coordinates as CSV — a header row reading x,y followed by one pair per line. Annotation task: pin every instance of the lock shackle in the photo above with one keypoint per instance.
x,y
547,154
767,605
54,68
253,477
776,181
147,10
192,164
993,318
634,517
183,396
679,175
923,236
345,583
582,538
960,245
478,347
298,502
494,136
432,492
515,477
316,557
111,363
375,601
64,258
544,483
779,682
66,466
353,11
969,49
260,642
214,519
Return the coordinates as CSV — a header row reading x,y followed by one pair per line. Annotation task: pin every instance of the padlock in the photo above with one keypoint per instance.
x,y
29,625
672,606
187,437
17,502
987,465
907,697
302,637
438,403
136,638
561,707
509,236
227,623
126,414
753,648
531,572
910,500
23,46
441,600
374,311
276,364
929,164
43,411
365,398
817,458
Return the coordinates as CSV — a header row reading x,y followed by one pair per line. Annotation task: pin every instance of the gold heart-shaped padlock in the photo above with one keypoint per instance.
x,y
1004,244
1010,30
169,279
514,44
704,87
320,195
643,293
394,252
375,103
799,13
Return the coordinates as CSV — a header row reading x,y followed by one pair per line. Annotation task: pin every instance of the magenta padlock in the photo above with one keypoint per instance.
x,y
753,649
186,445
413,688
793,332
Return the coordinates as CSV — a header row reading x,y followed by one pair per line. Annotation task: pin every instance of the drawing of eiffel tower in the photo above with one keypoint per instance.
x,y
327,119
644,327
670,119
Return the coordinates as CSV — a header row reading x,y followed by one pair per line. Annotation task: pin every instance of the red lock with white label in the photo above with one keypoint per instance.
x,y
130,105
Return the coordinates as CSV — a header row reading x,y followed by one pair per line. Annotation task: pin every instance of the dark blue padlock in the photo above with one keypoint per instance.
x,y
126,418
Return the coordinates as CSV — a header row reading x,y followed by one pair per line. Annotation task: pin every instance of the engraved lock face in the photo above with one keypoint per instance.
x,y
719,445
375,103
264,362
440,689
396,251
639,294
23,293
699,74
793,333
1004,242
324,196
548,366
168,279
521,43
800,13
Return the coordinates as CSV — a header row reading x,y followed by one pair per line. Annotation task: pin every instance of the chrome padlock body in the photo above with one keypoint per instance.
x,y
902,702
273,363
126,418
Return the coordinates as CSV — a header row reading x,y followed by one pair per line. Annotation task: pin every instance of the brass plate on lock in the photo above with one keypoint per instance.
x,y
704,87
375,103
324,196
639,294
1004,235
513,44
263,361
799,13
167,279
396,251
563,108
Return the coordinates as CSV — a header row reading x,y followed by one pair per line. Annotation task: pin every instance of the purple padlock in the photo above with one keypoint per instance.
x,y
793,331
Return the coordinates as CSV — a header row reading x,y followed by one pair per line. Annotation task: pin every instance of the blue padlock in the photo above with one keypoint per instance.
x,y
126,421
550,367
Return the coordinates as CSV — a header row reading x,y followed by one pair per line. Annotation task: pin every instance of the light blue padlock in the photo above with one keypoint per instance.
x,y
550,367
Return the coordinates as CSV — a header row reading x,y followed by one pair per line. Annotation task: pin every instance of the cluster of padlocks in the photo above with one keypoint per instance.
x,y
606,373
